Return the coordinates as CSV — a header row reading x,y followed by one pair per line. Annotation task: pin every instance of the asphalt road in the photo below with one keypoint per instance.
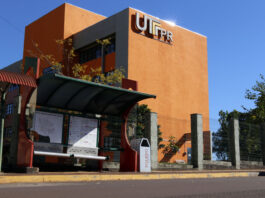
x,y
221,187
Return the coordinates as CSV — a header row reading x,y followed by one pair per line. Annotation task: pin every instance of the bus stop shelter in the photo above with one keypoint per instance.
x,y
62,92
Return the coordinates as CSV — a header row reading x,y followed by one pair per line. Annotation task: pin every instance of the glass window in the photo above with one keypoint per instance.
x,y
12,87
9,109
98,52
94,51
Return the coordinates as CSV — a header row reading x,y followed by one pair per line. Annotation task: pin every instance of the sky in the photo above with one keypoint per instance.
x,y
235,31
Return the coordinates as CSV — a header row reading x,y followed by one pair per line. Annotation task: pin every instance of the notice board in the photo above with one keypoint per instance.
x,y
83,132
49,126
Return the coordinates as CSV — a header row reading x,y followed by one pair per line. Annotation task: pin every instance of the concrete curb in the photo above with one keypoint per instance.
x,y
115,177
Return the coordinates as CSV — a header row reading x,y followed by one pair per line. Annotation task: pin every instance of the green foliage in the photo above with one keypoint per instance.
x,y
142,111
159,138
257,94
104,42
172,146
137,121
220,138
96,75
79,71
249,123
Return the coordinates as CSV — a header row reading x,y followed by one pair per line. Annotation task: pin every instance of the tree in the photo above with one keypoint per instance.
x,y
159,138
257,94
136,124
220,138
103,43
97,74
172,147
249,121
78,70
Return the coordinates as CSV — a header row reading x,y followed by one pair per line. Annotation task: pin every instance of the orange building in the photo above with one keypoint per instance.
x,y
165,59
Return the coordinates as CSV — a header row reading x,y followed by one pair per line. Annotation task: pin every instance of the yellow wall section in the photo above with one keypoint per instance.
x,y
177,74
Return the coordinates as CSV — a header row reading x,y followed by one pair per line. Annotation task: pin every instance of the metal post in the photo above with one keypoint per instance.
x,y
197,141
211,146
262,136
2,127
234,142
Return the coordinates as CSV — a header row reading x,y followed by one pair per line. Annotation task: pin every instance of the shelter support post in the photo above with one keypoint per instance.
x,y
2,128
25,145
152,136
101,145
197,141
128,156
234,142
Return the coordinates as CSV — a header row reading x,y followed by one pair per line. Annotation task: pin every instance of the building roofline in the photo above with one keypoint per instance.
x,y
84,9
59,7
166,22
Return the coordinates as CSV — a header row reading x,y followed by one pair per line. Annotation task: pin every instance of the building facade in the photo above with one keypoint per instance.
x,y
165,59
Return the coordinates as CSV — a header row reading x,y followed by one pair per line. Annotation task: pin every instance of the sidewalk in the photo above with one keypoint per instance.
x,y
47,177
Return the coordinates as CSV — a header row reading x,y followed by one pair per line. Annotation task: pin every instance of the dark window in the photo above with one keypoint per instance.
x,y
112,142
94,51
49,70
8,132
9,109
13,87
110,48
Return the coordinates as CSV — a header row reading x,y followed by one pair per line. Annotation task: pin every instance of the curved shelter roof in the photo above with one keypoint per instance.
x,y
64,92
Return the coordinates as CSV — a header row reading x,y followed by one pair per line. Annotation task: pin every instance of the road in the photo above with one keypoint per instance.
x,y
220,187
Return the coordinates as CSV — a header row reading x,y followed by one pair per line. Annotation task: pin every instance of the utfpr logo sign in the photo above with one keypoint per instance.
x,y
153,27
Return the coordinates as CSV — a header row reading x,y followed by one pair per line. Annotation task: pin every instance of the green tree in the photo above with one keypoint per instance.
x,y
220,138
159,138
172,147
136,124
249,123
257,95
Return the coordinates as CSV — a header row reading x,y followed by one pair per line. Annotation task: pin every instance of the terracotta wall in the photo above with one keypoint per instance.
x,y
176,73
60,23
96,63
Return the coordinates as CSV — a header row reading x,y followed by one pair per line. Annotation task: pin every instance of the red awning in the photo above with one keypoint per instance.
x,y
16,78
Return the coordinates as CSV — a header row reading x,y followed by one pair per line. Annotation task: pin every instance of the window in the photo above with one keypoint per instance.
x,y
9,109
13,87
94,51
110,48
112,142
50,70
8,132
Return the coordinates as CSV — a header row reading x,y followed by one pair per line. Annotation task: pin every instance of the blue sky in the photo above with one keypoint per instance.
x,y
235,31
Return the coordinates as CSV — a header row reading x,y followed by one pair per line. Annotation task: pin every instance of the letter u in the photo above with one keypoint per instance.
x,y
138,22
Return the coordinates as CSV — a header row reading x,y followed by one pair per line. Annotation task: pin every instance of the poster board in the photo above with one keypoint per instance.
x,y
83,132
49,126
